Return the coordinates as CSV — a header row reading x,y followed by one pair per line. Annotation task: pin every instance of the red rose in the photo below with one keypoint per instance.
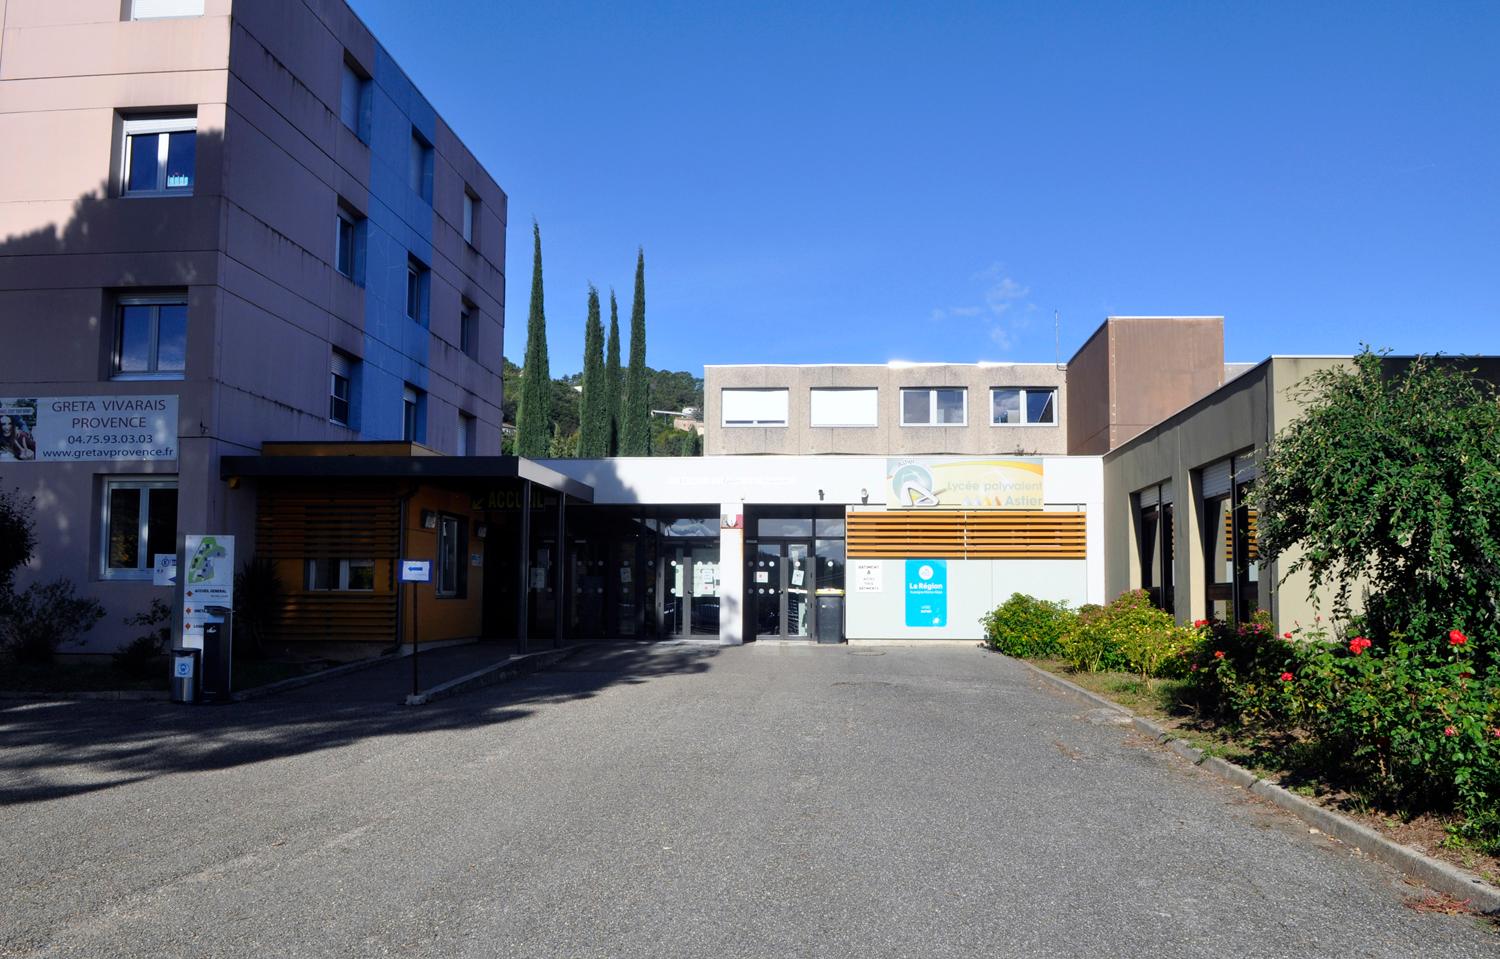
x,y
1455,638
1218,654
1286,677
1449,731
1358,645
1195,669
1286,635
1199,623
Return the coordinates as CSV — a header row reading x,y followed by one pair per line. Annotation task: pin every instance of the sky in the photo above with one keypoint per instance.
x,y
863,182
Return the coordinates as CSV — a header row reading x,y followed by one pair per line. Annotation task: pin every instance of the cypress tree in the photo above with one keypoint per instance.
x,y
593,415
612,381
635,417
534,411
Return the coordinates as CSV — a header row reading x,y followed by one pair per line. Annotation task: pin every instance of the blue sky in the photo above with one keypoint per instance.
x,y
859,182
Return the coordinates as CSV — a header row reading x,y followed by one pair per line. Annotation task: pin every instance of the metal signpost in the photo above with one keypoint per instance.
x,y
415,571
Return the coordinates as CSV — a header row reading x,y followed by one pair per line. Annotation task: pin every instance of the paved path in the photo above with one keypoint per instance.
x,y
664,802
390,682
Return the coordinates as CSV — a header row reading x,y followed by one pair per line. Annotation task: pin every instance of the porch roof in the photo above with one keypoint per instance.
x,y
419,467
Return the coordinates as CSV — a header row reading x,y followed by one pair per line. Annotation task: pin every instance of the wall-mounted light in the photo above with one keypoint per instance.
x,y
820,495
864,495
429,519
481,530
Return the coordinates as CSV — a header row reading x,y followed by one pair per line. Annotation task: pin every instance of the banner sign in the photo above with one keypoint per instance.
x,y
952,483
209,582
416,570
926,592
71,428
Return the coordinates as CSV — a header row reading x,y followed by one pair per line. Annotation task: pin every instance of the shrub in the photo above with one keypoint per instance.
x,y
43,617
17,539
144,654
1027,627
258,596
1127,635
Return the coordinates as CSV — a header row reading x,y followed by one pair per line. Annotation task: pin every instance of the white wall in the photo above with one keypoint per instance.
x,y
975,586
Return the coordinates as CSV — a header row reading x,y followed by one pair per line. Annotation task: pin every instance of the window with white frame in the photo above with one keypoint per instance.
x,y
411,414
858,406
754,407
159,156
934,406
1023,406
416,290
161,9
340,388
471,212
341,575
138,522
452,554
419,167
150,337
348,244
354,98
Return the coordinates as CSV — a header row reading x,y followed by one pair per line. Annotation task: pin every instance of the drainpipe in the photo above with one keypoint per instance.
x,y
402,502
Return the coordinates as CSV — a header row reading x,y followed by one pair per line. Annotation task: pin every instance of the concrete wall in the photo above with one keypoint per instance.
x,y
252,246
800,437
1239,418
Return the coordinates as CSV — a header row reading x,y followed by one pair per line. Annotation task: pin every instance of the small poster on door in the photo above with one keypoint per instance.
x,y
797,575
761,576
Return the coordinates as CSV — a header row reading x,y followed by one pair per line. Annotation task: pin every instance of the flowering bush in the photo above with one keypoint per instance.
x,y
1027,627
1410,726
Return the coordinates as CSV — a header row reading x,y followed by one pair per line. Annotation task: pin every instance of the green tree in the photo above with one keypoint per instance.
x,y
593,417
1389,482
534,412
612,380
635,416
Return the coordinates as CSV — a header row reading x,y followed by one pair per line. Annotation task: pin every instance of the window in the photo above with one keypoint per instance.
x,y
764,407
468,330
159,9
340,380
1231,557
471,210
150,337
934,407
420,166
411,414
452,556
1155,528
349,244
346,575
354,98
845,407
139,523
416,291
466,434
158,157
1034,406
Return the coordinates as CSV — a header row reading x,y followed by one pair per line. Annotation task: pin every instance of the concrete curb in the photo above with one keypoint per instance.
x,y
497,673
113,695
333,672
1436,874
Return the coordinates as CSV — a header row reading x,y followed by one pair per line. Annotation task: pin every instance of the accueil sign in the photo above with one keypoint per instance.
x,y
88,428
978,483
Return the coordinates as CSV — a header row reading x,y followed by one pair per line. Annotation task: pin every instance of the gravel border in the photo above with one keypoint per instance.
x,y
1434,873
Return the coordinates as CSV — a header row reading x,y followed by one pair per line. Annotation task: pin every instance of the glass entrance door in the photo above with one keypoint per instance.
x,y
691,604
779,587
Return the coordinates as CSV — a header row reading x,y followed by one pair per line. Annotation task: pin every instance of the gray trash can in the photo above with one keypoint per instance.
x,y
187,675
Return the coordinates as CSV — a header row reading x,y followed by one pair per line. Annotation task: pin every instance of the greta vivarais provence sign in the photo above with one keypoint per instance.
x,y
71,428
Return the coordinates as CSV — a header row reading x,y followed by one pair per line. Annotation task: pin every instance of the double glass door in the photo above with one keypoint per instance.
x,y
690,605
779,587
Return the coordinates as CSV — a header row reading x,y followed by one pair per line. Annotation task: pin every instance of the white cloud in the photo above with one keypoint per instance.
x,y
1005,307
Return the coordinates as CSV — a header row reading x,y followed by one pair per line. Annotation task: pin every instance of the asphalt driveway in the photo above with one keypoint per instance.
x,y
668,801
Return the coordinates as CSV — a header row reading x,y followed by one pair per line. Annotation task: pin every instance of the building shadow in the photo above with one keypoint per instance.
x,y
52,750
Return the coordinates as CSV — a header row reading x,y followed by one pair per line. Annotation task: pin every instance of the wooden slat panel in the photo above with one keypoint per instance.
x,y
966,534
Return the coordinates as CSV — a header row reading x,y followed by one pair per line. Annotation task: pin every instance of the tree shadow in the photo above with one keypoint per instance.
x,y
57,749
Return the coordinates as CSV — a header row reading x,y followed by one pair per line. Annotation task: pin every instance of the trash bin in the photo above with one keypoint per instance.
x,y
830,624
218,639
186,676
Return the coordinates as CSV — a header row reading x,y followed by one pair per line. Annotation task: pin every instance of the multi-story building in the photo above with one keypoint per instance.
x,y
224,222
1132,372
